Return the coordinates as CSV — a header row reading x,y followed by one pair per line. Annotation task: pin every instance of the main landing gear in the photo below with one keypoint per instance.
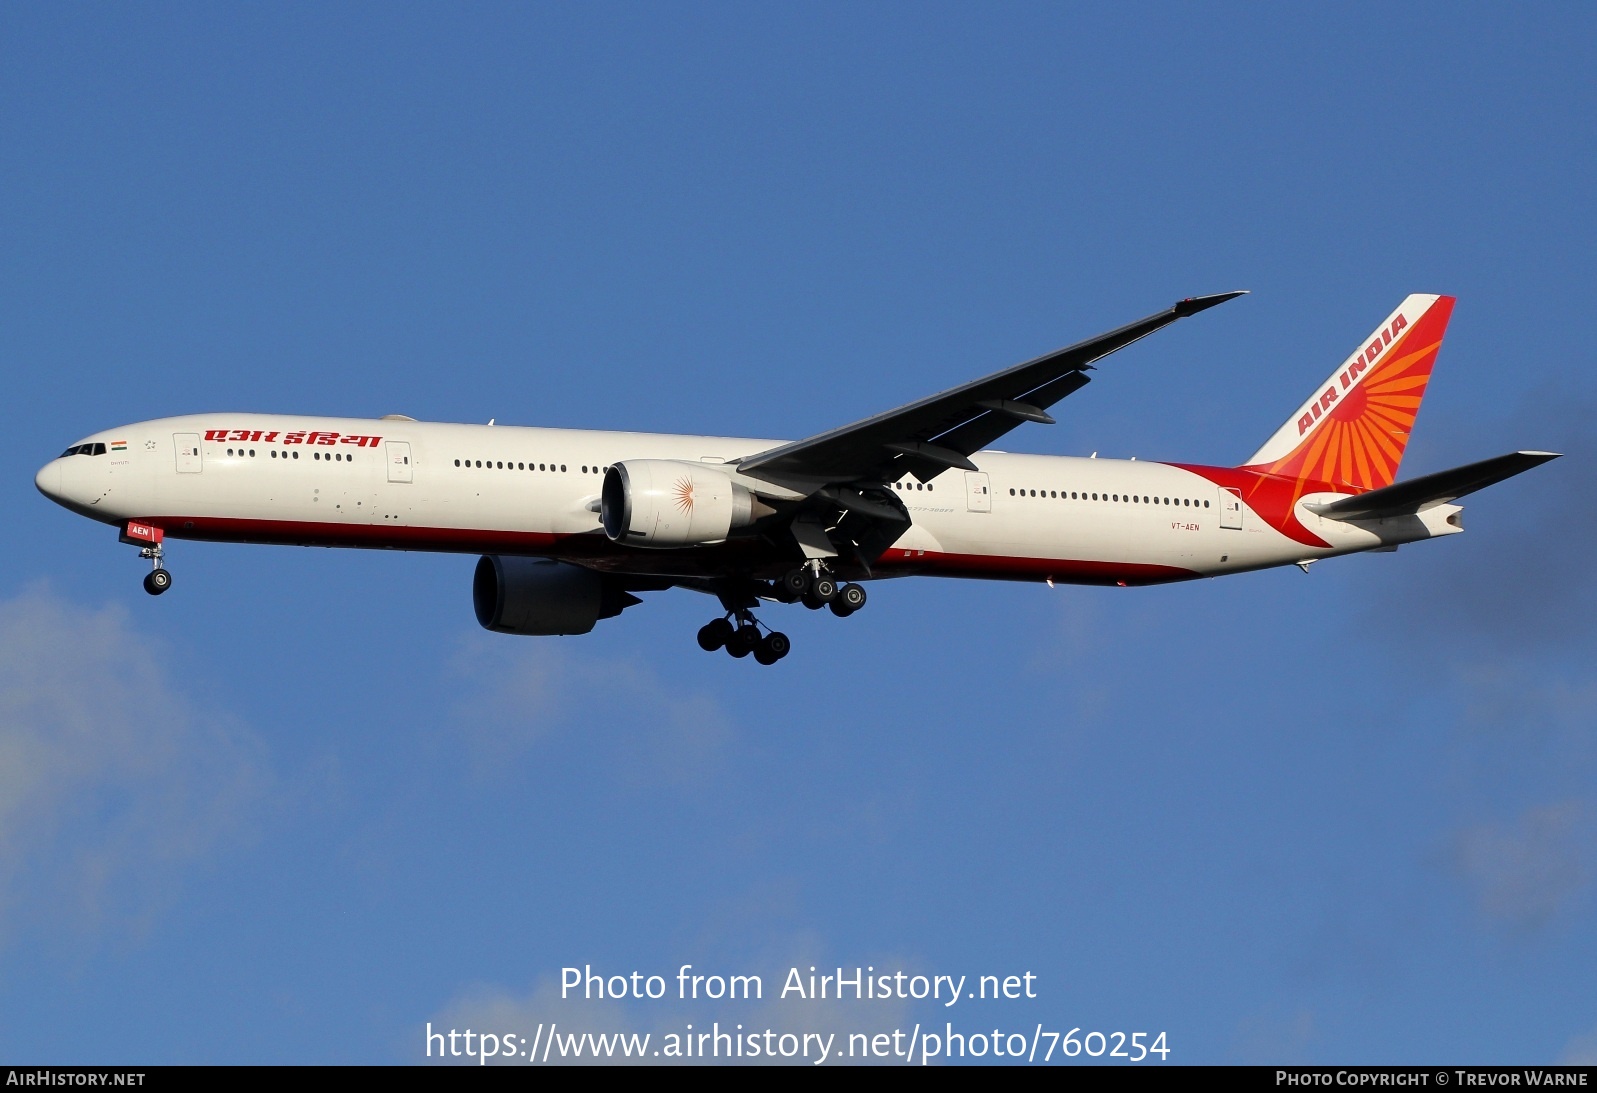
x,y
739,632
743,637
815,588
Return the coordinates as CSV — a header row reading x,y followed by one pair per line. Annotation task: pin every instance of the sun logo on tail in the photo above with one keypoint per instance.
x,y
1352,434
684,494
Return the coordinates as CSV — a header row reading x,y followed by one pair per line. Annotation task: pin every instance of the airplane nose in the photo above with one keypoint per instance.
x,y
49,480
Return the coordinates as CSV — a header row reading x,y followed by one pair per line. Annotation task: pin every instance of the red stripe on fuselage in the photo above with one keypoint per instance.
x,y
748,557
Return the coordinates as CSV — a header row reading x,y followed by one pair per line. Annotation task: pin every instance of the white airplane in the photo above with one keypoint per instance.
x,y
571,523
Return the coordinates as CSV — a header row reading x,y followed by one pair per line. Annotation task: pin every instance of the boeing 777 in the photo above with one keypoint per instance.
x,y
571,524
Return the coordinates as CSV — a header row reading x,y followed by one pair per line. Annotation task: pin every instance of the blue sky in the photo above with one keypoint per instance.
x,y
302,805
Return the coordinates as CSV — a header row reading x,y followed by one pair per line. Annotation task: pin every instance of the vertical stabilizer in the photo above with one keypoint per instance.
x,y
1352,431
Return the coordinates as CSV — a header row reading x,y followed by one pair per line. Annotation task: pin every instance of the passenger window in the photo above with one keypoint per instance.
x,y
296,455
562,468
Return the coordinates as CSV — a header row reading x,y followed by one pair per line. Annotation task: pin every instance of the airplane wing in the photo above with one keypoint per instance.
x,y
927,437
1407,498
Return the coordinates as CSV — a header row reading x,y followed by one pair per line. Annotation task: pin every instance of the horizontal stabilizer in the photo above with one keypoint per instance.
x,y
1407,498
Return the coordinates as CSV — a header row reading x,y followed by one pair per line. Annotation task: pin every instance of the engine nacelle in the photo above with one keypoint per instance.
x,y
673,503
541,596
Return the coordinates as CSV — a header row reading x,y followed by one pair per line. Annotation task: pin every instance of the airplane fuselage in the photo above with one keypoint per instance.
x,y
410,485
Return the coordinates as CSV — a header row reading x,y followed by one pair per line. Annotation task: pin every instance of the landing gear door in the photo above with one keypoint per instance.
x,y
1230,508
978,492
189,459
399,466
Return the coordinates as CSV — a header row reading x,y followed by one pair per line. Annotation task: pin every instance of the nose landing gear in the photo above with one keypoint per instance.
x,y
157,580
148,539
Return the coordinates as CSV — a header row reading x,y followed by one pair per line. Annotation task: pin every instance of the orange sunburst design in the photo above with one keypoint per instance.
x,y
1359,442
684,494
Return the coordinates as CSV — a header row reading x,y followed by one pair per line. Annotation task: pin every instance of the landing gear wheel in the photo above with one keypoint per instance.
x,y
157,581
851,596
796,583
715,634
822,591
744,640
840,608
773,648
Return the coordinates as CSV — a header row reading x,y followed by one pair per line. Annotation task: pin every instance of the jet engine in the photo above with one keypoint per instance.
x,y
541,596
674,503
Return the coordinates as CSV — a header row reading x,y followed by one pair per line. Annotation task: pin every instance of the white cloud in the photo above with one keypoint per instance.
x,y
528,1017
1272,1037
110,780
1526,872
1580,1051
524,692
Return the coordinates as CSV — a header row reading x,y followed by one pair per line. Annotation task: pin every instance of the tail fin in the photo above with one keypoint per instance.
x,y
1353,430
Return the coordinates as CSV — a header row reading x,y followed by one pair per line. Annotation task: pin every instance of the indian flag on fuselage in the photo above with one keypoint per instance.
x,y
119,445
1352,431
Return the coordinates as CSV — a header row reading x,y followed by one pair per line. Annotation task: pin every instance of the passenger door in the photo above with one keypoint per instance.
x,y
1230,508
399,468
189,457
978,492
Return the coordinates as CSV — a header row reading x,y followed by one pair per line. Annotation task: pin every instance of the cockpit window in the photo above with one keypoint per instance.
x,y
84,449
